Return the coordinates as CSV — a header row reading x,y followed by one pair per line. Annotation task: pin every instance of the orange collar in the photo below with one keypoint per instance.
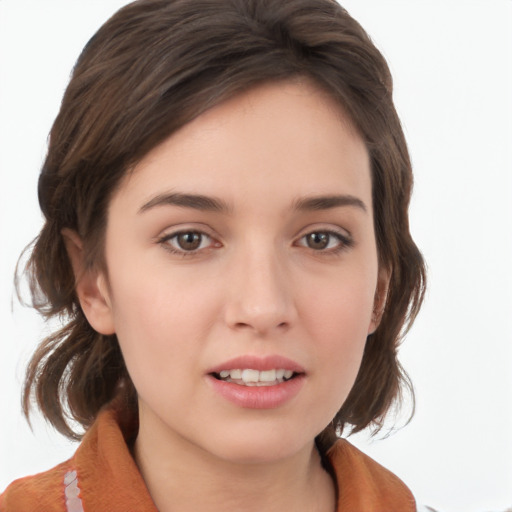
x,y
102,475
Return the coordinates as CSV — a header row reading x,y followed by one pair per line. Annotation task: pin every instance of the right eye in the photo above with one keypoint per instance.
x,y
184,242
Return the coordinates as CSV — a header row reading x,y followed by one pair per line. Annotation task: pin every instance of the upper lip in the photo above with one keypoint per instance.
x,y
260,363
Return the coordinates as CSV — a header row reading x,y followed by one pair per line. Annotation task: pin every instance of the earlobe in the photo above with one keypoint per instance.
x,y
380,299
90,286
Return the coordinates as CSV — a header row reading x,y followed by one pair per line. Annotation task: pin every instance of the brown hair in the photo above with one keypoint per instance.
x,y
150,69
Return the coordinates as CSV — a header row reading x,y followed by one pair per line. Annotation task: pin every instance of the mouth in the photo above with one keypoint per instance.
x,y
256,378
258,382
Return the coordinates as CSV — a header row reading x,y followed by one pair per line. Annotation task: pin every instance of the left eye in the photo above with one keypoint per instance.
x,y
188,241
322,240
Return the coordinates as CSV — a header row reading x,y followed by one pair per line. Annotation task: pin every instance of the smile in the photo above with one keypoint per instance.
x,y
257,382
250,377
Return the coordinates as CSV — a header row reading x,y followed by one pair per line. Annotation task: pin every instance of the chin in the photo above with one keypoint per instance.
x,y
265,445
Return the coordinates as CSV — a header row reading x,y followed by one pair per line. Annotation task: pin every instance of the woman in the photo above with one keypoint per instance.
x,y
225,194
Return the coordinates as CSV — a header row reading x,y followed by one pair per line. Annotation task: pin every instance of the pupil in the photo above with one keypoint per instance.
x,y
318,240
189,241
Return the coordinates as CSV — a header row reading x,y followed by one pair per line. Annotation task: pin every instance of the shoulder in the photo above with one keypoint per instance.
x,y
364,484
101,476
47,490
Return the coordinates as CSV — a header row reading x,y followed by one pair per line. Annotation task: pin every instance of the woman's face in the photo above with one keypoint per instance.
x,y
239,252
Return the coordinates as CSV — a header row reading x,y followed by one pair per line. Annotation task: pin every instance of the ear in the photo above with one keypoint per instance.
x,y
379,302
90,285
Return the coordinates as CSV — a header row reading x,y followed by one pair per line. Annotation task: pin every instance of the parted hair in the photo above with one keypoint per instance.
x,y
150,69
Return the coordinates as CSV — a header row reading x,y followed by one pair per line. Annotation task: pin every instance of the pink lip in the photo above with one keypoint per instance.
x,y
258,397
258,363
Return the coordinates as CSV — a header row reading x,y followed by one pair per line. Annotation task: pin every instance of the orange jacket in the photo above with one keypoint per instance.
x,y
102,477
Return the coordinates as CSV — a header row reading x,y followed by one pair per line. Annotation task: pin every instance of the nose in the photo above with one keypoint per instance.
x,y
260,298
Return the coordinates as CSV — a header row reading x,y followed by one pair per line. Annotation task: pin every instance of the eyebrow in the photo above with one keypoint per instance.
x,y
316,203
195,201
212,204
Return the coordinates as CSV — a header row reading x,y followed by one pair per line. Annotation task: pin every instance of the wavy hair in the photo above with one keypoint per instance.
x,y
150,69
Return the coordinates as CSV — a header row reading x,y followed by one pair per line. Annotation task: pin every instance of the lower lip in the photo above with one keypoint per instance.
x,y
258,397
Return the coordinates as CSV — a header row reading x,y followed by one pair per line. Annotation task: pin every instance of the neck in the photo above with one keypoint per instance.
x,y
183,477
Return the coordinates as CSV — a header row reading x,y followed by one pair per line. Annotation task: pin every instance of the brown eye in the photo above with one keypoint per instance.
x,y
326,241
318,241
189,241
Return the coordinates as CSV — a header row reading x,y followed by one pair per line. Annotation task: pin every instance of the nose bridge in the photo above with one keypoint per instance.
x,y
260,289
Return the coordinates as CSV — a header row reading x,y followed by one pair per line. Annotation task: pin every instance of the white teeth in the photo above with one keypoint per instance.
x,y
267,376
236,374
250,377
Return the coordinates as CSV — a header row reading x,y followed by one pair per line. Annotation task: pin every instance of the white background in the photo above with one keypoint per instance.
x,y
452,65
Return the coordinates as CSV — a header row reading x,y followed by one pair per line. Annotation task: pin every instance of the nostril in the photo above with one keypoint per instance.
x,y
241,325
259,326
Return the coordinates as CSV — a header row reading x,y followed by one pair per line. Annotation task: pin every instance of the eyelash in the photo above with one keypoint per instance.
x,y
166,241
344,242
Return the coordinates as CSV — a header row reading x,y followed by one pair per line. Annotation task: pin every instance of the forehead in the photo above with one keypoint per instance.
x,y
289,138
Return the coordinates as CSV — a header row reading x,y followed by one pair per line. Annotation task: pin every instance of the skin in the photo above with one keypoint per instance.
x,y
255,285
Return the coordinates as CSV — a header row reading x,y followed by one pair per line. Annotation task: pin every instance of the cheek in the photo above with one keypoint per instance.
x,y
337,318
341,306
163,316
340,335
